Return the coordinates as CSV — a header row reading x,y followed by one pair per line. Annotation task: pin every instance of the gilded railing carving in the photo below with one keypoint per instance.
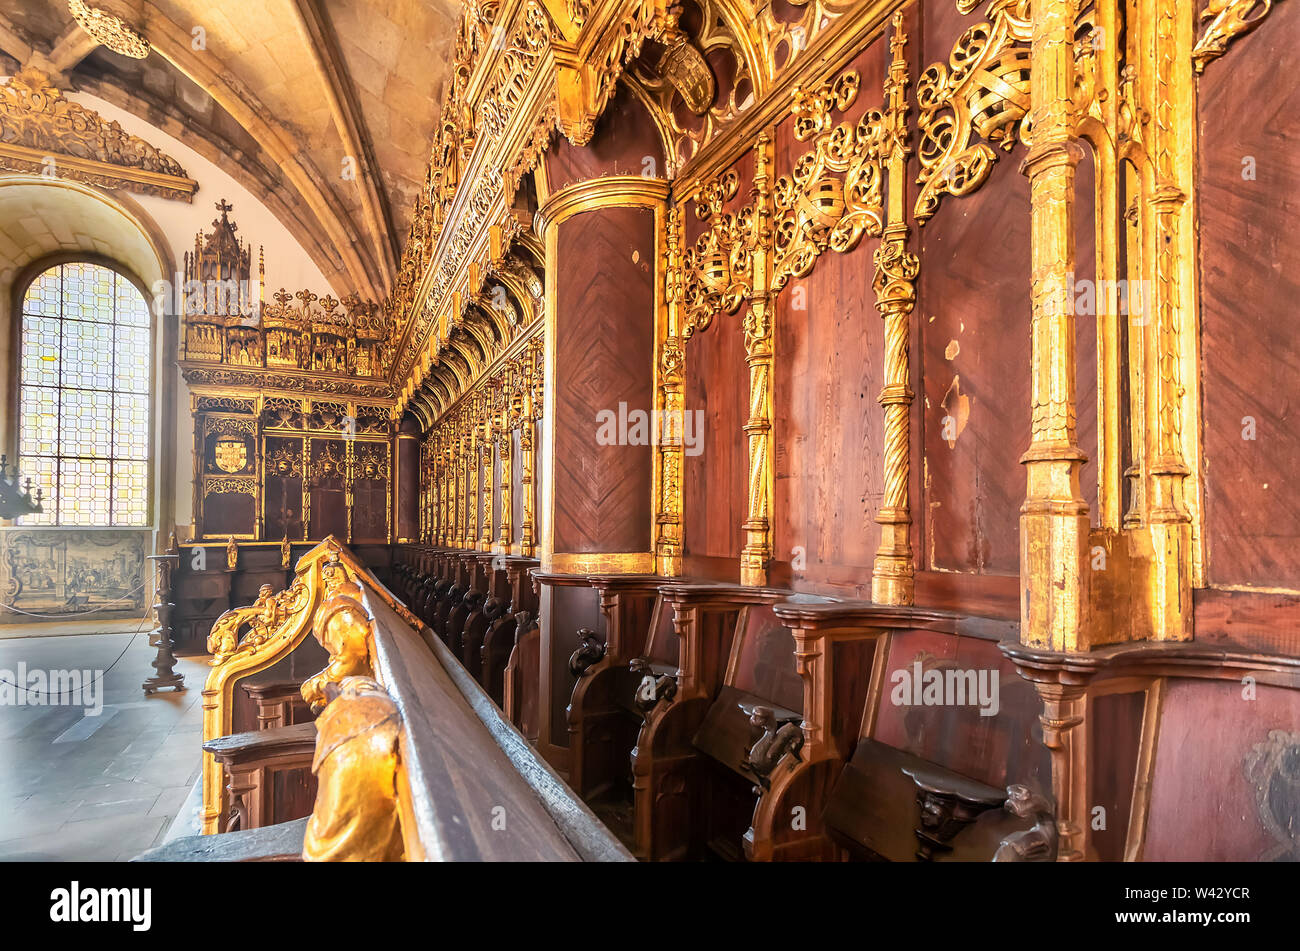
x,y
343,627
356,816
248,640
248,630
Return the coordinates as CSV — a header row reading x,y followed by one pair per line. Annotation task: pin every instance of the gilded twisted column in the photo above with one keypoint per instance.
x,y
349,475
892,576
1054,521
489,431
668,545
307,476
672,389
757,326
505,450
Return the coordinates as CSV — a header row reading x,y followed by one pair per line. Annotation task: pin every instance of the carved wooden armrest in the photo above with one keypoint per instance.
x,y
658,682
590,651
281,842
1035,844
782,734
238,748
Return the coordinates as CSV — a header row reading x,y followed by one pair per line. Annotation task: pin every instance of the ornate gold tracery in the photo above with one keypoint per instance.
x,y
835,194
984,91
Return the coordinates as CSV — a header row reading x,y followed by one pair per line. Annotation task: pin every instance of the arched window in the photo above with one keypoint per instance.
x,y
84,402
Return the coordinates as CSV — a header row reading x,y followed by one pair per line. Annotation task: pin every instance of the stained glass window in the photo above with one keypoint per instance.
x,y
84,396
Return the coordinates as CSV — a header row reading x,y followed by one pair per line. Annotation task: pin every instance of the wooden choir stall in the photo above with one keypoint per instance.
x,y
772,470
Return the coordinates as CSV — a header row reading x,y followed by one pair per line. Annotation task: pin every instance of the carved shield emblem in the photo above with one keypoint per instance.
x,y
230,455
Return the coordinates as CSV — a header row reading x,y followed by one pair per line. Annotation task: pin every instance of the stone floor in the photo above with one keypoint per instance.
x,y
75,787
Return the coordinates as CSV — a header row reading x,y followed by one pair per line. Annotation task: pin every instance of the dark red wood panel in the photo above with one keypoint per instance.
x,y
625,143
974,316
408,489
1221,790
604,342
714,493
1250,281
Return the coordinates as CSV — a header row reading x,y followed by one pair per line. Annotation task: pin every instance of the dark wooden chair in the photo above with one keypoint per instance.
x,y
679,678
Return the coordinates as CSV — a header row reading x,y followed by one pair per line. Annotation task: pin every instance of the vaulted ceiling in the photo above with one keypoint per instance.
x,y
324,109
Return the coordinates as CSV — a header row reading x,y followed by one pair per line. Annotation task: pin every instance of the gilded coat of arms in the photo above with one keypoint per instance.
x,y
230,455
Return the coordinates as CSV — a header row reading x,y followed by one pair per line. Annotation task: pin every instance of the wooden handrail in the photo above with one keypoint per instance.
x,y
413,759
470,786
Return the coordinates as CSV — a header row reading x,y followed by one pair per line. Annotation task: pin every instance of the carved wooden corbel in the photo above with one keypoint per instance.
x,y
780,736
657,684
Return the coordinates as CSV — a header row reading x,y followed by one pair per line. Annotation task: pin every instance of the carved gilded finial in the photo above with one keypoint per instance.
x,y
232,554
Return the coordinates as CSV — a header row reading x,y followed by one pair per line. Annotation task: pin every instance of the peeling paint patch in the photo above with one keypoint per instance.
x,y
956,406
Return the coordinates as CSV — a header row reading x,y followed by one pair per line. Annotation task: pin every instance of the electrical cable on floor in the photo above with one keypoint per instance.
x,y
103,672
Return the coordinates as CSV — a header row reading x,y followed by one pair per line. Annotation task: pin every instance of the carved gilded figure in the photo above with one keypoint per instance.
x,y
355,818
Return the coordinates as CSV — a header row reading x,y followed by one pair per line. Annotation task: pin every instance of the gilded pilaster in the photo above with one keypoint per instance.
x,y
505,451
1171,358
892,577
1054,524
757,327
672,396
489,430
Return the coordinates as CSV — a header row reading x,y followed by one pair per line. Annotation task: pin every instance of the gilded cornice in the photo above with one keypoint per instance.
x,y
520,71
286,382
610,190
42,131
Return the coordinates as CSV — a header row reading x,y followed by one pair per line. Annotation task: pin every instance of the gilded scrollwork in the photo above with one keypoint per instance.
x,y
239,485
834,195
718,268
1228,21
38,124
249,630
109,30
983,92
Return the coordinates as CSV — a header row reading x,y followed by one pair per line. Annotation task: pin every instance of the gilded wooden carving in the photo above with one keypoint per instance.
x,y
355,818
983,92
343,627
1227,21
41,131
835,194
